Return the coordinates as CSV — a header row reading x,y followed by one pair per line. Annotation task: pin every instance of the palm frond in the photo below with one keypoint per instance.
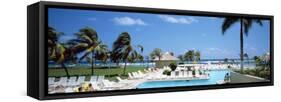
x,y
228,22
89,32
248,22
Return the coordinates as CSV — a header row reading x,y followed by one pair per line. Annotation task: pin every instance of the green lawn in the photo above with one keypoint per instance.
x,y
108,73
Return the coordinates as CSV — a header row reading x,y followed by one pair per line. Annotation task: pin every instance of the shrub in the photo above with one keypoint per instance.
x,y
193,72
181,63
264,74
167,72
173,66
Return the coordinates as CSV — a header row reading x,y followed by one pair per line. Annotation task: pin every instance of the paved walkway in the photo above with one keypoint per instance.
x,y
240,78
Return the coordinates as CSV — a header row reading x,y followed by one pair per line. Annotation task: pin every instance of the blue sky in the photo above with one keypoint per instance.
x,y
171,33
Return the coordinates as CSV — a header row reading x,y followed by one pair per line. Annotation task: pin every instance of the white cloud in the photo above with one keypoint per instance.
x,y
128,21
178,20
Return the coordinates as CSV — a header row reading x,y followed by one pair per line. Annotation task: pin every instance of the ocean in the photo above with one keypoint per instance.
x,y
247,63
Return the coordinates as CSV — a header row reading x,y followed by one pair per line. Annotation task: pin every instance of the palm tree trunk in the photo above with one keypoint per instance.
x,y
124,71
92,62
241,44
160,64
65,69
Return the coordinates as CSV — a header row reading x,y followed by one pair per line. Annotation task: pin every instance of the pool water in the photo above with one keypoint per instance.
x,y
214,77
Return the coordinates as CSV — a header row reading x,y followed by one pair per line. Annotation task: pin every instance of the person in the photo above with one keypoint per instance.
x,y
87,87
78,89
91,87
226,77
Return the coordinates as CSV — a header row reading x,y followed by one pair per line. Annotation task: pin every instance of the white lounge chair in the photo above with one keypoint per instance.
x,y
173,74
62,81
141,73
197,74
69,90
51,80
96,86
100,78
130,76
190,74
81,79
136,75
182,74
120,80
185,73
72,81
93,79
111,85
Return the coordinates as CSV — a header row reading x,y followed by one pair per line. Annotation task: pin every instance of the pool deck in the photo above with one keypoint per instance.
x,y
242,78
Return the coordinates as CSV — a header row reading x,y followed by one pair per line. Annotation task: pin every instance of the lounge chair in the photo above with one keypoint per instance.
x,y
173,74
197,74
190,74
93,79
62,81
141,73
100,78
120,80
96,86
111,85
81,79
72,81
51,80
136,75
185,73
182,74
130,76
69,90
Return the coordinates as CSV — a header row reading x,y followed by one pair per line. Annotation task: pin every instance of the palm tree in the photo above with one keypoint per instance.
x,y
147,61
57,51
140,58
123,50
197,55
53,37
181,57
225,60
245,25
247,57
102,52
157,52
87,41
189,55
257,60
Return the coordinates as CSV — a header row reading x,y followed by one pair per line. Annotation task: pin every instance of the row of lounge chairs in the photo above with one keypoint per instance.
x,y
73,81
136,75
185,74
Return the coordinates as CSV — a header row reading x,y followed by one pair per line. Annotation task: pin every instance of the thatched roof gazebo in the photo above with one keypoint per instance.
x,y
165,60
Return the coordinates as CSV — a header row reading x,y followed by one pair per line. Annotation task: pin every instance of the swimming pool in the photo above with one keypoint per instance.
x,y
214,77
